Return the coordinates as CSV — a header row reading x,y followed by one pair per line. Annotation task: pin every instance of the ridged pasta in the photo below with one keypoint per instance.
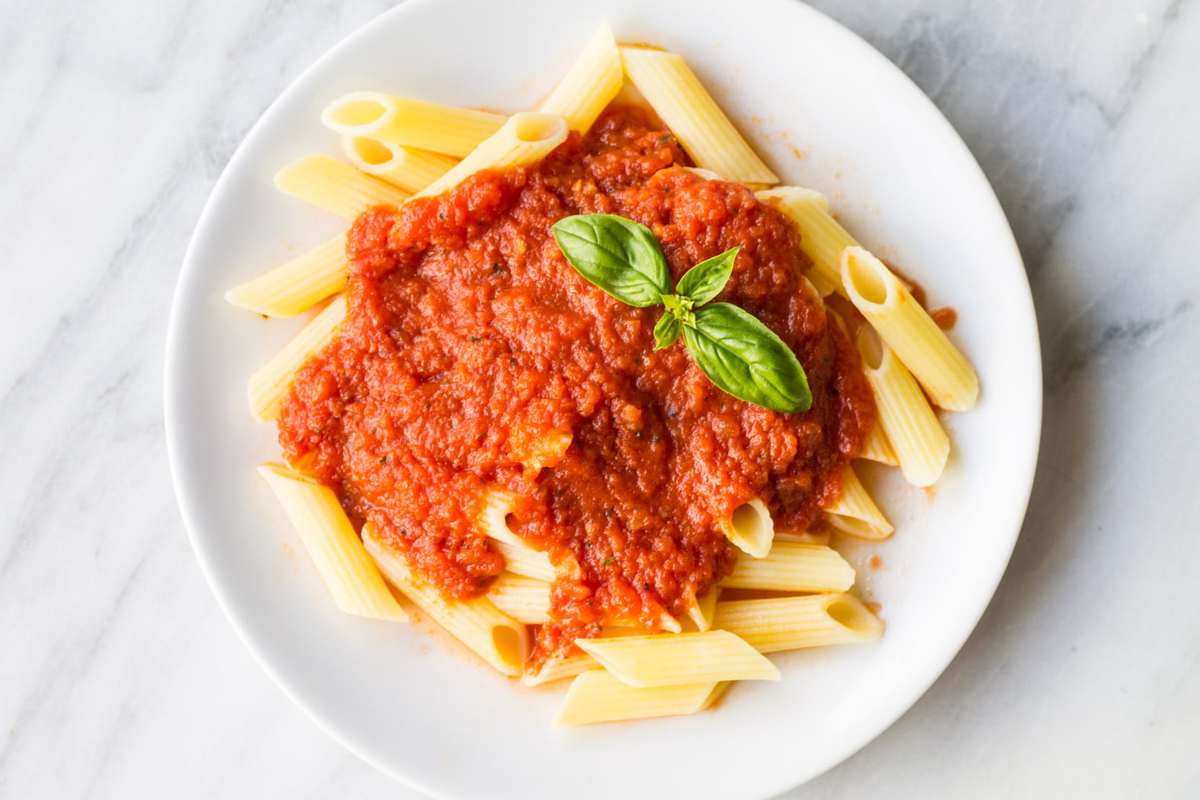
x,y
791,623
591,84
701,609
269,385
519,557
524,599
821,237
878,448
526,138
335,186
677,659
908,329
678,97
406,168
411,123
557,669
296,285
793,567
495,637
596,696
921,445
332,544
855,513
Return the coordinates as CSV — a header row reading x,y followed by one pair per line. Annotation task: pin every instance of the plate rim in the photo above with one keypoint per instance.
x,y
186,502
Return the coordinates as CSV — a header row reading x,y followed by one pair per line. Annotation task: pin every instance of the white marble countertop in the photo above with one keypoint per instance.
x,y
119,676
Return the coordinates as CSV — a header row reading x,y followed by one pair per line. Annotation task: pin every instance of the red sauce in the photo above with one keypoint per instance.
x,y
944,317
469,338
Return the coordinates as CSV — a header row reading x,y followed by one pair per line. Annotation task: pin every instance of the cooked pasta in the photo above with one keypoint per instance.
x,y
793,567
791,623
878,447
295,285
335,549
750,528
407,122
267,386
526,137
524,599
591,84
520,558
702,608
678,97
406,168
855,513
821,237
495,637
596,696
336,186
678,659
559,668
921,445
908,329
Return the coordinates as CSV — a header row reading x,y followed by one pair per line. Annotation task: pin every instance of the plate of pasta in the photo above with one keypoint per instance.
x,y
639,400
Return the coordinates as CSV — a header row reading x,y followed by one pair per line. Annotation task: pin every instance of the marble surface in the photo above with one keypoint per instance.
x,y
119,676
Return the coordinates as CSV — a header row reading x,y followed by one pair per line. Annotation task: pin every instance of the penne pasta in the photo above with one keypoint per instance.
x,y
855,513
821,237
520,558
557,669
406,168
526,138
678,97
494,636
591,84
524,599
701,609
750,528
793,567
679,659
921,445
410,123
596,696
336,186
335,549
545,451
877,447
268,386
908,329
296,285
791,623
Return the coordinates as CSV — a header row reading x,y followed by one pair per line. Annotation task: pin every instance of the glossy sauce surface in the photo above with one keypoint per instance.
x,y
473,353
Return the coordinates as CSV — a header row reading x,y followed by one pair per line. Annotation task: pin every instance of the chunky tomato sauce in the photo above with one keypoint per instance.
x,y
472,352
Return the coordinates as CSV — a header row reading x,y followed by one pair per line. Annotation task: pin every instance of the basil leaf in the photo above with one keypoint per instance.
x,y
666,331
619,255
745,358
705,281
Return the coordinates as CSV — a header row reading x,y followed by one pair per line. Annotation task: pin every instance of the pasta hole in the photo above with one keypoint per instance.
x,y
508,644
870,348
354,113
852,615
371,152
866,275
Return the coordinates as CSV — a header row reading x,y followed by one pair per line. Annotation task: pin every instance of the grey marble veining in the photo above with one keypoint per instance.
x,y
118,674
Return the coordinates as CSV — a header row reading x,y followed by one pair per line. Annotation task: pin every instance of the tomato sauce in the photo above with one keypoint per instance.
x,y
469,340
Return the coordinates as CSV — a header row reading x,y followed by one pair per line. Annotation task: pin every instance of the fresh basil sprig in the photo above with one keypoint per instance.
x,y
735,350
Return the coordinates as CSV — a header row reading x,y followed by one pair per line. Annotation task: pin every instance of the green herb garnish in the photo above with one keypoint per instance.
x,y
737,352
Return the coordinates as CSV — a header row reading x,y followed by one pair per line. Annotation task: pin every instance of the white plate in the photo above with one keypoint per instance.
x,y
899,177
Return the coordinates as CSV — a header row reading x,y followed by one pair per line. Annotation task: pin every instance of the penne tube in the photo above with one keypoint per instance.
x,y
336,186
524,599
701,609
877,447
821,237
295,285
406,168
269,385
921,445
750,528
793,567
557,669
495,637
520,558
590,85
679,659
678,97
335,549
908,329
791,623
596,696
410,123
526,138
855,513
